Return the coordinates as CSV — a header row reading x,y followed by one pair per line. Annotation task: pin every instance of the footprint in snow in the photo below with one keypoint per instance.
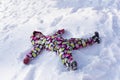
x,y
115,25
56,21
25,73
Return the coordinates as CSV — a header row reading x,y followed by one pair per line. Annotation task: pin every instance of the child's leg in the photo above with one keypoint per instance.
x,y
67,60
77,43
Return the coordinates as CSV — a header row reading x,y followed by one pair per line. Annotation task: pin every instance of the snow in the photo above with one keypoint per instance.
x,y
80,18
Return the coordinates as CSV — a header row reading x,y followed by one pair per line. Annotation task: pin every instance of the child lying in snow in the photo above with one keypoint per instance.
x,y
63,47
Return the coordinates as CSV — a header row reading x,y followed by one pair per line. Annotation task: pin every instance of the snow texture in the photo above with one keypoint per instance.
x,y
80,18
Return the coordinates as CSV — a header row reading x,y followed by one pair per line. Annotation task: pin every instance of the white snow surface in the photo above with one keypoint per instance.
x,y
80,18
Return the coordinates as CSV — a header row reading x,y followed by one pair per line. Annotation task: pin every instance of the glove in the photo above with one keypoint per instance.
x,y
26,60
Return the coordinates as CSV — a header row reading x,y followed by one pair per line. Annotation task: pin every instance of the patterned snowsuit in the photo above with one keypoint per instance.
x,y
63,47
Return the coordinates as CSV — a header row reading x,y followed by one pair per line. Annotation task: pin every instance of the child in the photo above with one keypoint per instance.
x,y
63,47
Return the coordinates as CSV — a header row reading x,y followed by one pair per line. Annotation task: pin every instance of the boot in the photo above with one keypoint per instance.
x,y
96,37
74,65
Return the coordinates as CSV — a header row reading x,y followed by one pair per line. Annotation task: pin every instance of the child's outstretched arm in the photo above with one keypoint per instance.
x,y
38,45
32,54
59,32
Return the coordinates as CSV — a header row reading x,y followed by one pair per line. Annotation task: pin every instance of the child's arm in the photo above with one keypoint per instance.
x,y
32,54
59,32
37,48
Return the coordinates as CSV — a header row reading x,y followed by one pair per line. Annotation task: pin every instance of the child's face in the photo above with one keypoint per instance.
x,y
38,35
